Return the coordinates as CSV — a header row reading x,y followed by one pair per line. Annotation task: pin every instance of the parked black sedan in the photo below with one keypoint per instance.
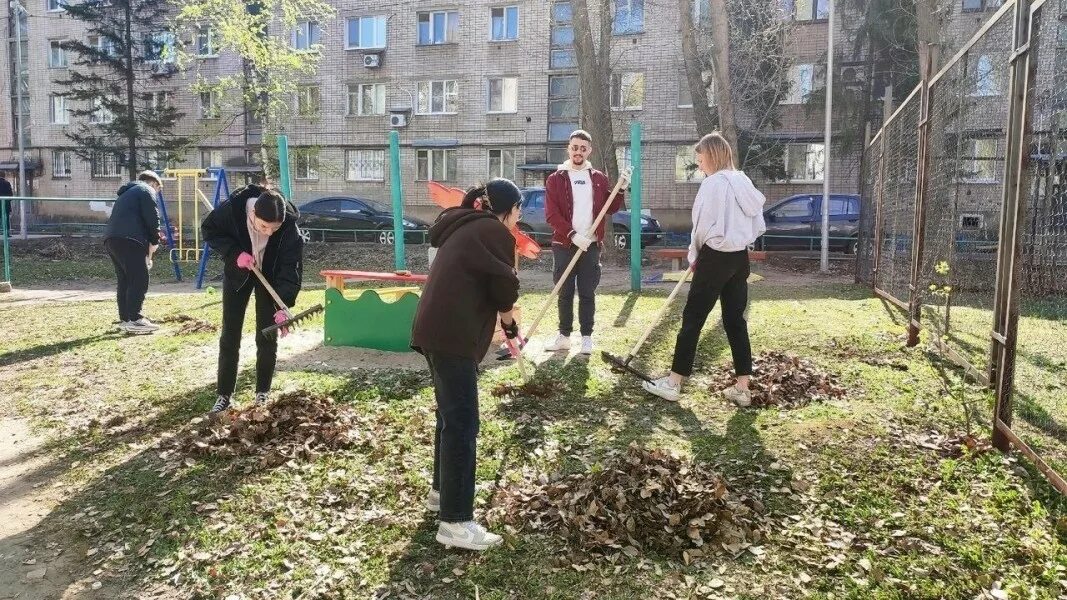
x,y
534,223
795,223
350,219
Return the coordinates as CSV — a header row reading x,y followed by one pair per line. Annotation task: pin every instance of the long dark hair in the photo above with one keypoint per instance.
x,y
270,206
498,196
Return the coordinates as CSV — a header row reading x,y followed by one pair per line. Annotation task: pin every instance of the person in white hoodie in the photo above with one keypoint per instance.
x,y
727,218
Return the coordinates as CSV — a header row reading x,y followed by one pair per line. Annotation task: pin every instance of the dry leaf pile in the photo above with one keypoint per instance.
x,y
297,426
785,381
530,389
56,250
645,501
190,325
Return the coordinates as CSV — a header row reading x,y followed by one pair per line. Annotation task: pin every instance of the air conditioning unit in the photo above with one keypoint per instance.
x,y
372,61
398,120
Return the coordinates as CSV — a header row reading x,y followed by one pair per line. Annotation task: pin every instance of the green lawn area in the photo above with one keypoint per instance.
x,y
860,503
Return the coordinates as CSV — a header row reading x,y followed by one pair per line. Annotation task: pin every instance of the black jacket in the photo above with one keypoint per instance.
x,y
225,230
6,190
135,215
472,279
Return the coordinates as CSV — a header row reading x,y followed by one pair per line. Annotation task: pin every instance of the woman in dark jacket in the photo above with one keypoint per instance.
x,y
256,226
472,283
131,239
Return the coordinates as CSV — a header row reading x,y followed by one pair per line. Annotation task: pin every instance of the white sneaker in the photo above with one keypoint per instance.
x,y
136,328
587,345
262,398
562,342
144,323
468,535
662,387
738,396
433,501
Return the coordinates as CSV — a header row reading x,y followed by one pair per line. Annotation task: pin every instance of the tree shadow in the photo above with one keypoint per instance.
x,y
627,309
45,350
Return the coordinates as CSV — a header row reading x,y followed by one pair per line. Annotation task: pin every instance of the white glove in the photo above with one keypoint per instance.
x,y
581,241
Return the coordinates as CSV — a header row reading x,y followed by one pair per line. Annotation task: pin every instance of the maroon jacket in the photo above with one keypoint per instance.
x,y
559,205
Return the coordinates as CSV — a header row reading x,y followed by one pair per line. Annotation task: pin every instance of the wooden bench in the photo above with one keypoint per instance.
x,y
337,279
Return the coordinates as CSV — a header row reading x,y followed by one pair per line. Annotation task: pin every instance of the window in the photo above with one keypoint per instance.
x,y
158,101
55,5
807,10
205,42
307,35
308,100
62,161
159,161
971,221
104,45
59,114
629,17
980,160
159,47
561,53
685,165
842,206
305,164
623,158
801,208
57,55
365,165
685,98
209,105
365,32
627,91
504,24
986,78
437,97
804,162
803,80
979,5
563,92
438,27
101,114
502,163
366,99
701,12
210,159
435,165
105,165
504,95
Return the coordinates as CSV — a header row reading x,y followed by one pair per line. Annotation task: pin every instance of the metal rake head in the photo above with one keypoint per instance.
x,y
272,331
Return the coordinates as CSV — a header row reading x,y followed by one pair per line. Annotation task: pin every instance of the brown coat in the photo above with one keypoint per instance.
x,y
471,280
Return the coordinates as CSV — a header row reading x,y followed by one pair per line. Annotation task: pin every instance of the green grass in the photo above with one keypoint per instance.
x,y
877,516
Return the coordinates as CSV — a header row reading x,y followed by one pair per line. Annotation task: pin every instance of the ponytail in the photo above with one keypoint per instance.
x,y
473,196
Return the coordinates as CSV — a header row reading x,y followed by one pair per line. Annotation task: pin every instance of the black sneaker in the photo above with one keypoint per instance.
x,y
261,399
221,405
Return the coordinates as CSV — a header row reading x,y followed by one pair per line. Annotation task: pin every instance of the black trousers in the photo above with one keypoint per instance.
x,y
718,275
455,441
585,278
234,303
131,271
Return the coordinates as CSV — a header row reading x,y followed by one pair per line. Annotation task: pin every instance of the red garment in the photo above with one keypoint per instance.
x,y
559,205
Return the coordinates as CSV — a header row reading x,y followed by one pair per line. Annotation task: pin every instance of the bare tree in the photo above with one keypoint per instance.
x,y
695,66
594,75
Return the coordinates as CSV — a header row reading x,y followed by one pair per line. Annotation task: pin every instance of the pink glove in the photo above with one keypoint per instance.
x,y
281,317
245,261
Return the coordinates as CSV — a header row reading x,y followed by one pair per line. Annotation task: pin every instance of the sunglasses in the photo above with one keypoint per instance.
x,y
579,148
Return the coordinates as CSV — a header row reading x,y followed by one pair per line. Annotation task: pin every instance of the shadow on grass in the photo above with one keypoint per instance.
x,y
45,350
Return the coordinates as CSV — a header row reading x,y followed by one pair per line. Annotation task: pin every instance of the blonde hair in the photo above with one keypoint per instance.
x,y
717,151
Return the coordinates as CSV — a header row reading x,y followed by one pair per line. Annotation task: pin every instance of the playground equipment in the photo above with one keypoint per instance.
x,y
380,319
181,248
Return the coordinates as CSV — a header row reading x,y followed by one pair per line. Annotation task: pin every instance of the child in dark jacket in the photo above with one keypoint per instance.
x,y
131,238
256,227
472,283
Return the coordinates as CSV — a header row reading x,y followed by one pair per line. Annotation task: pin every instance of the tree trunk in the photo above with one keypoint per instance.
x,y
594,75
720,60
694,70
130,75
929,17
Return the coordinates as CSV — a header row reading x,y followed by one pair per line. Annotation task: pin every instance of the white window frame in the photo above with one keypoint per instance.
x,y
55,6
975,161
166,41
211,153
809,165
986,82
504,10
686,153
100,115
360,109
449,36
62,158
309,100
58,113
621,85
360,158
507,170
107,160
309,170
210,110
208,32
381,27
104,45
56,49
312,35
435,156
623,157
508,105
425,89
630,10
804,80
699,6
683,83
813,13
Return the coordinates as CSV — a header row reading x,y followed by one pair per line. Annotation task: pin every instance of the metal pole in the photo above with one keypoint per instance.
x,y
635,207
17,7
824,262
7,244
283,167
398,200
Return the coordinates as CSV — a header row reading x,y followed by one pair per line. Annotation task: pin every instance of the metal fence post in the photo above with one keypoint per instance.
x,y
7,242
1013,207
400,257
919,227
879,187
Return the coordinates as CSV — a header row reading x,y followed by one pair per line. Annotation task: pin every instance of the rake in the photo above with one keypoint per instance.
x,y
623,365
291,319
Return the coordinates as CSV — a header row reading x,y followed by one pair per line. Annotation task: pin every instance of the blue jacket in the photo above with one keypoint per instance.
x,y
135,215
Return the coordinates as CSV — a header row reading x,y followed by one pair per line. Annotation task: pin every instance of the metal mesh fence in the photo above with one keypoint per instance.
x,y
865,251
968,139
897,211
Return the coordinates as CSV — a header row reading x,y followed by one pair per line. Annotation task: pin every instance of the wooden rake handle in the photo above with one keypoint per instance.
x,y
273,294
623,179
659,315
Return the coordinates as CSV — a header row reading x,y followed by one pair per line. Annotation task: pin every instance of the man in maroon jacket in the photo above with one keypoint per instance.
x,y
575,195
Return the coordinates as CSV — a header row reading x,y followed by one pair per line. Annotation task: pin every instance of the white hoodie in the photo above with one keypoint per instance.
x,y
582,194
727,214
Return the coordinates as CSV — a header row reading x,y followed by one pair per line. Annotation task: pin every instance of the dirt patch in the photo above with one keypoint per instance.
x,y
641,502
531,389
189,325
782,380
